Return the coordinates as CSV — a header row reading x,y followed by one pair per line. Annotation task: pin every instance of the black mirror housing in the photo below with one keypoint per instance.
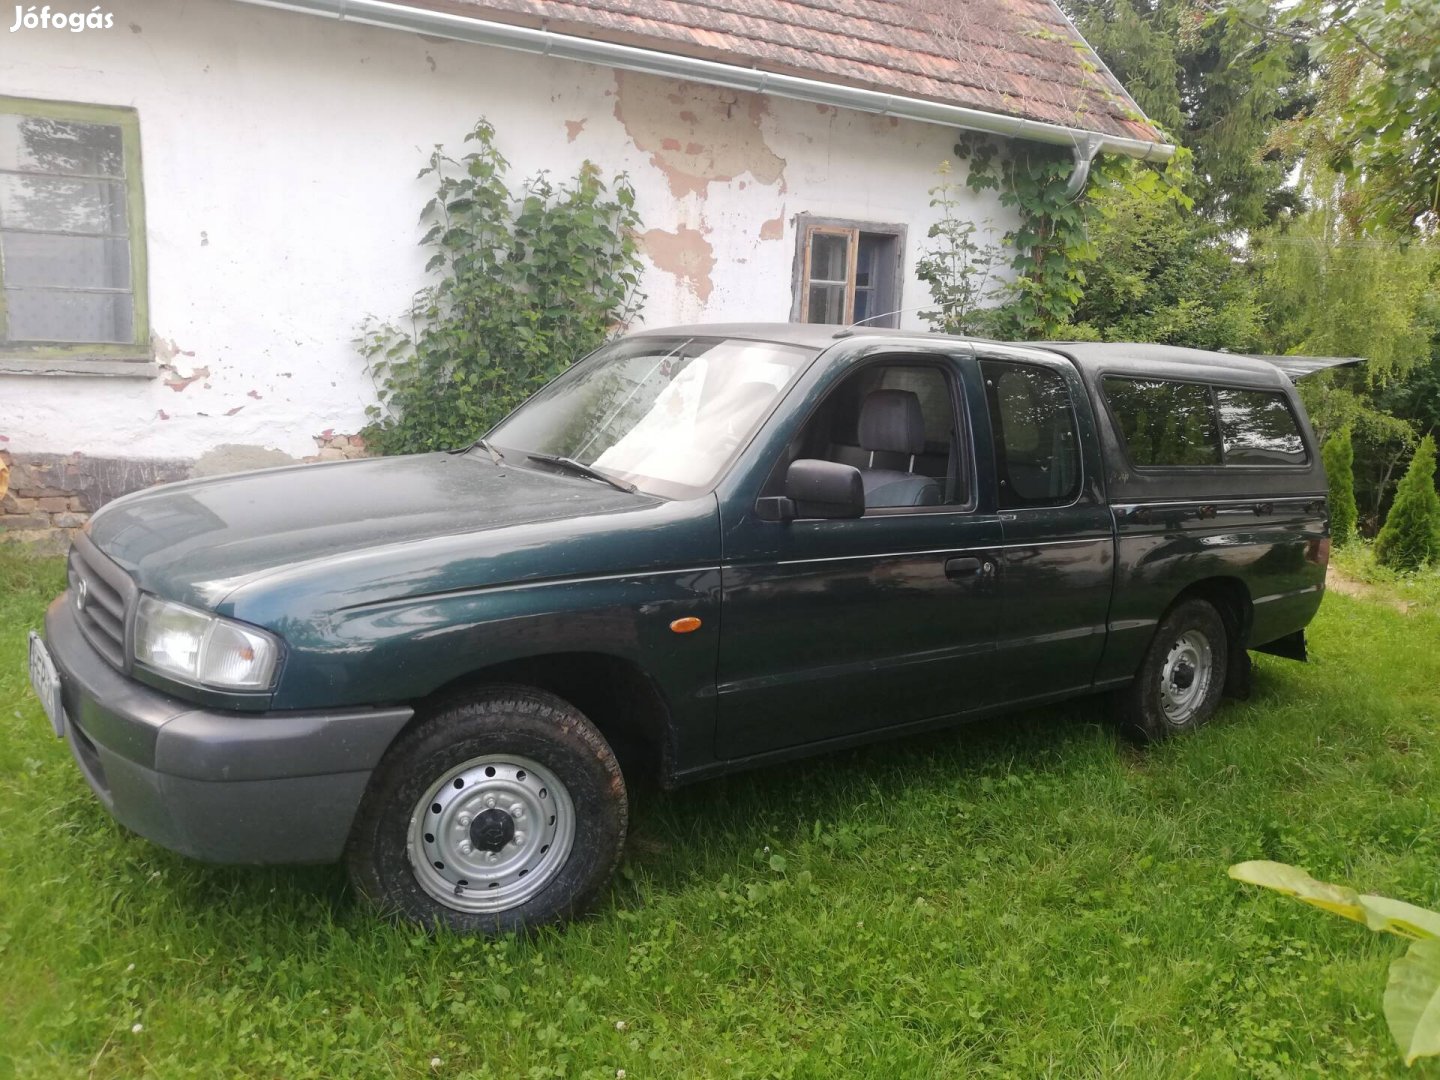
x,y
824,489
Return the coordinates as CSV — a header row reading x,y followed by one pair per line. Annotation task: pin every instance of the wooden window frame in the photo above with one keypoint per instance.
x,y
131,358
806,226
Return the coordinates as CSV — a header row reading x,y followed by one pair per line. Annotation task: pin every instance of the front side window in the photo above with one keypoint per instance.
x,y
848,273
664,414
1259,428
897,424
1164,423
1037,449
72,261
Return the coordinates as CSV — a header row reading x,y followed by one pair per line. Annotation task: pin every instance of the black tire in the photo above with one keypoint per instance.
x,y
476,736
1152,709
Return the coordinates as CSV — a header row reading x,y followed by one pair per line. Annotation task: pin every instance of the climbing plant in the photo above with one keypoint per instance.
x,y
525,282
958,265
1051,243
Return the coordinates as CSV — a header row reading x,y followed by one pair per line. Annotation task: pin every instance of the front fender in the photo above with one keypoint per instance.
x,y
404,650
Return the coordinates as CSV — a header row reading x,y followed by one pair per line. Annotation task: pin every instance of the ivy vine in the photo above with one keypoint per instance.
x,y
1052,241
527,282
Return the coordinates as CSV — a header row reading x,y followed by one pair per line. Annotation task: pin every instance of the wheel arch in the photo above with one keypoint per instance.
x,y
1231,598
613,692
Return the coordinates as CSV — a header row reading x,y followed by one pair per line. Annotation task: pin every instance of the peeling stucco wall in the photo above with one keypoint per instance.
x,y
684,253
280,153
697,135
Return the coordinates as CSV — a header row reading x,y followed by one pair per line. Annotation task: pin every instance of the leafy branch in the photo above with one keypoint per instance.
x,y
526,282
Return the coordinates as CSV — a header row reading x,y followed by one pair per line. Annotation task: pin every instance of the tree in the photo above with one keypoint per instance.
x,y
1376,117
1217,86
1157,274
1339,457
1386,137
1411,536
1332,293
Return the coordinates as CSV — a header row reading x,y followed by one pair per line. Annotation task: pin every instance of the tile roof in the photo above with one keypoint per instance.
x,y
1011,57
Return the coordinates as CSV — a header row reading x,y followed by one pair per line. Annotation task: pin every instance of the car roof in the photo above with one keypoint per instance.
x,y
1168,361
814,335
1121,358
1112,356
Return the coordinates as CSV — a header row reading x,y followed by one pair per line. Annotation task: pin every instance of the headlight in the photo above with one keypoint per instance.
x,y
197,647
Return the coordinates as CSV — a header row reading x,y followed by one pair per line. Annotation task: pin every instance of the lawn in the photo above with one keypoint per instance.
x,y
1030,898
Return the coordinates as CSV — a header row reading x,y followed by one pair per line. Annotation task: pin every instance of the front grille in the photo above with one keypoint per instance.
x,y
104,597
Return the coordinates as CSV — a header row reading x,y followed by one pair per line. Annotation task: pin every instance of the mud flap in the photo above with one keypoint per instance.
x,y
1237,675
1291,646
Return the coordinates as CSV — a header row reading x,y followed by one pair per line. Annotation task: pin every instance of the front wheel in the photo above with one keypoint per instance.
x,y
501,813
1180,681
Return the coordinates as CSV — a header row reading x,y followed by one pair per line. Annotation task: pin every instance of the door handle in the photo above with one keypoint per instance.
x,y
964,566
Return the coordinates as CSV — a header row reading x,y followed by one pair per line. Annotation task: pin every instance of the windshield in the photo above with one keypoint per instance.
x,y
664,414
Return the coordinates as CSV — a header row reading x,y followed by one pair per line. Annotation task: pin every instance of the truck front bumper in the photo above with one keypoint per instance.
x,y
230,787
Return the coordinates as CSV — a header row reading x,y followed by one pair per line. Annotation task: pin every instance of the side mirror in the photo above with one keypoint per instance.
x,y
816,489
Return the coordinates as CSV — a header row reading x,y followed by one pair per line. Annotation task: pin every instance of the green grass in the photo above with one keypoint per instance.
x,y
1027,898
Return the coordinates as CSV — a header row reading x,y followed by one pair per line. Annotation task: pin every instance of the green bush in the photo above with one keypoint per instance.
x,y
527,283
1411,536
1339,457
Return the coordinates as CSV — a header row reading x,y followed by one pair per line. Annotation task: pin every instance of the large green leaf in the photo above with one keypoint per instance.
x,y
1292,881
1399,918
1412,1001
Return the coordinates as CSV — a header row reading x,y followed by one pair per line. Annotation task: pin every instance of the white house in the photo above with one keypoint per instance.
x,y
201,199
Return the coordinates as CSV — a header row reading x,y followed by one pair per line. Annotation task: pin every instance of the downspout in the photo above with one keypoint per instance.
x,y
1084,152
654,62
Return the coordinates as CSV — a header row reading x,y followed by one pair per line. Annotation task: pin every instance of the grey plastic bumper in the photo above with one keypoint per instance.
x,y
220,786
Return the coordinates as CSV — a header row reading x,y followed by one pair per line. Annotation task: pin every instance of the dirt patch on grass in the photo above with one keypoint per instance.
x,y
1336,581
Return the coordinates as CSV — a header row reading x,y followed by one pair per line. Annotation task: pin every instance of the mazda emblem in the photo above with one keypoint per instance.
x,y
82,594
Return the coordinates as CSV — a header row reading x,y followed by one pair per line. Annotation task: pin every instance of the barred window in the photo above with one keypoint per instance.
x,y
72,258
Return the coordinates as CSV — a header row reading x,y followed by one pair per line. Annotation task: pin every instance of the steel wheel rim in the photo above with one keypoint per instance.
x,y
491,833
1185,677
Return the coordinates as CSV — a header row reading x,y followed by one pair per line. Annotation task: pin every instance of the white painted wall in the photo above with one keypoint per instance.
x,y
280,154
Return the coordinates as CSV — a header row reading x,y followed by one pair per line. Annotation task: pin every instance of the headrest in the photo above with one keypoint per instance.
x,y
891,421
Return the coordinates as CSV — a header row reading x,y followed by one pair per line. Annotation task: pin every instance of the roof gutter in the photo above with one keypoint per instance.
x,y
654,62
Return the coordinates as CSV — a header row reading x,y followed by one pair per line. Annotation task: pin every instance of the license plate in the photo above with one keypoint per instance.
x,y
46,681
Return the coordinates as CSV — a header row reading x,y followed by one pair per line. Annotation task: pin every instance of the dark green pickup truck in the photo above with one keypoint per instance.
x,y
699,549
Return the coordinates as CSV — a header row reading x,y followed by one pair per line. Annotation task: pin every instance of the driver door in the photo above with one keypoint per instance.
x,y
831,629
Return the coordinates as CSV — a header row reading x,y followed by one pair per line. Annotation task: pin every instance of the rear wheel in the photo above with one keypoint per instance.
x,y
1179,684
497,814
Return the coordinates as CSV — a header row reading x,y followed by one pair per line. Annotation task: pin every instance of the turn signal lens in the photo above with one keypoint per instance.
x,y
689,624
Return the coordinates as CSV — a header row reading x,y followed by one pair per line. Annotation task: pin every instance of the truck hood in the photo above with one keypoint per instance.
x,y
200,540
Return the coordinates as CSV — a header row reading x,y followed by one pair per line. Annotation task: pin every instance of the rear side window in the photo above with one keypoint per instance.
x,y
1164,423
1037,452
1259,428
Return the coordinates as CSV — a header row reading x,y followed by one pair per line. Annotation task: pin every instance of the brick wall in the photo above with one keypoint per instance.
x,y
45,498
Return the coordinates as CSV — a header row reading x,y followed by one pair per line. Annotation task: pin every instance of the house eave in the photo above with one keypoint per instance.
x,y
544,42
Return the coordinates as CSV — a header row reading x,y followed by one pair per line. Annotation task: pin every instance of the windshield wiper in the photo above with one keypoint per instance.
x,y
571,465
